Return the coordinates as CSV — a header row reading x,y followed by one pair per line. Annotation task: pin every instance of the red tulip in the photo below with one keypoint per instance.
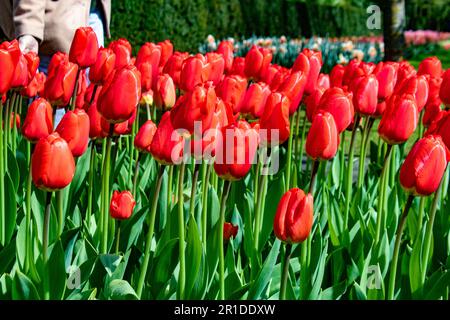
x,y
217,63
147,62
323,81
173,66
431,66
20,77
386,73
349,72
336,75
257,61
84,48
81,90
164,94
35,86
293,88
323,137
433,101
432,113
339,104
144,137
279,78
74,128
441,127
312,102
60,83
97,128
399,120
122,128
232,90
424,166
167,144
33,61
417,86
405,71
52,163
270,73
103,68
365,94
122,51
310,64
294,217
9,58
38,122
166,52
229,230
236,150
195,106
226,49
195,70
120,96
444,92
238,66
255,99
122,205
275,117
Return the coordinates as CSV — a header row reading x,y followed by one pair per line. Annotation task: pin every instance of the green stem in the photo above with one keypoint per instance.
x,y
312,182
28,210
289,156
105,191
382,193
118,237
75,89
205,203
181,231
136,175
59,202
342,158
398,239
2,181
362,157
349,180
296,134
14,128
193,189
285,272
149,237
91,180
421,214
48,205
300,158
169,189
429,231
226,191
149,114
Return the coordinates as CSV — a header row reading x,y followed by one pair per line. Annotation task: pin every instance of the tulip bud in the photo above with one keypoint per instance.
x,y
310,64
238,66
444,92
226,49
254,100
81,89
166,52
173,66
122,205
122,51
167,145
323,137
399,120
236,151
312,103
74,128
275,117
97,128
336,75
229,230
293,88
38,122
20,77
147,62
9,58
195,70
60,83
120,96
433,102
164,94
405,71
279,78
84,48
430,66
323,81
270,73
386,73
257,61
35,86
103,68
33,61
424,166
52,163
365,94
349,72
339,104
294,217
441,126
417,86
232,90
144,137
217,63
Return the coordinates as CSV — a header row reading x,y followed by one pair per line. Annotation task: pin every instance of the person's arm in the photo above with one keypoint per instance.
x,y
29,22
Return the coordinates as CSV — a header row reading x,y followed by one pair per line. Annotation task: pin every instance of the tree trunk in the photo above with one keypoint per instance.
x,y
393,27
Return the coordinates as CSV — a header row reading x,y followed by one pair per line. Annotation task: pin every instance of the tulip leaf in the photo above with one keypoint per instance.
x,y
163,265
193,255
23,288
10,208
6,283
56,272
13,170
21,249
120,290
7,255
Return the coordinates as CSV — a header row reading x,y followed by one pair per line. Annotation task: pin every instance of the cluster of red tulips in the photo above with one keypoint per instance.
x,y
211,111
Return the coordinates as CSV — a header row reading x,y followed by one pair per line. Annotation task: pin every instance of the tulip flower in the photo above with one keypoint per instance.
x,y
52,163
195,106
270,73
38,122
97,128
322,141
349,72
62,76
441,127
323,81
120,96
9,58
81,89
173,66
195,70
167,144
217,63
386,73
229,230
254,100
122,51
404,72
20,77
399,120
122,205
433,102
279,78
310,62
275,118
339,104
236,151
35,86
147,62
33,61
424,166
166,52
431,66
365,94
103,68
74,128
225,48
312,103
238,66
232,89
144,137
293,88
418,87
164,94
444,92
294,217
84,47
336,75
257,61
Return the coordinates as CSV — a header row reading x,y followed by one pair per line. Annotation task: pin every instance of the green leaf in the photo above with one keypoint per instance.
x,y
436,286
23,288
120,290
10,208
110,262
57,272
7,255
193,255
6,283
13,170
163,265
274,194
20,244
